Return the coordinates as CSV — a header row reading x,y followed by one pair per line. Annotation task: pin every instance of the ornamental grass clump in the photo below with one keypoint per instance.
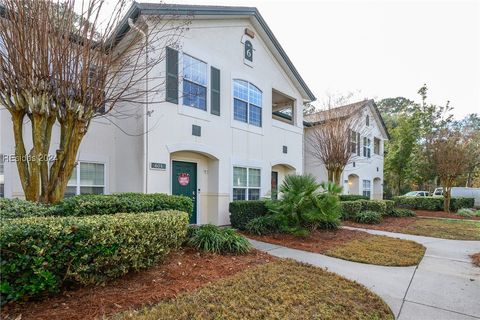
x,y
213,239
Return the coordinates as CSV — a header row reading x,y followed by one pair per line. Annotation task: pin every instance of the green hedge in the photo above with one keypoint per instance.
x,y
389,205
349,209
241,212
15,208
41,254
85,205
374,205
368,217
432,203
352,197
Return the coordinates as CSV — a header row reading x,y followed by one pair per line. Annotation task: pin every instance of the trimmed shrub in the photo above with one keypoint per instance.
x,y
241,212
211,238
402,212
40,255
464,212
369,217
85,205
352,197
16,208
389,205
432,203
374,205
349,209
263,225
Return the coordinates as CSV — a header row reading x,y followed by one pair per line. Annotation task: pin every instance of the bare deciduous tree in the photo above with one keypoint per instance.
x,y
330,139
449,152
62,63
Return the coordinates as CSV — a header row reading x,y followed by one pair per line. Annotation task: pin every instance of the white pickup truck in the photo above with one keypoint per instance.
x,y
461,192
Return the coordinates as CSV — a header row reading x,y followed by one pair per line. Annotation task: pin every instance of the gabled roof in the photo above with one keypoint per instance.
x,y
319,117
252,13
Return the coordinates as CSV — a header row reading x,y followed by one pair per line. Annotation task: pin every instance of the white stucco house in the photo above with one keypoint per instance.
x,y
228,124
364,174
230,127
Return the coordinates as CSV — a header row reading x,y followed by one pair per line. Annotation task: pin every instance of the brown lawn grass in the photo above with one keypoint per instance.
x,y
353,245
278,290
380,250
438,228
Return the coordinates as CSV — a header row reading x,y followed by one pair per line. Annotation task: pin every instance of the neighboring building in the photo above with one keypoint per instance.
x,y
231,129
364,175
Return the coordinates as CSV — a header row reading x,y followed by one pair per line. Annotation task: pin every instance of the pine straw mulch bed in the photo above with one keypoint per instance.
x,y
476,259
442,214
279,290
353,245
437,228
183,271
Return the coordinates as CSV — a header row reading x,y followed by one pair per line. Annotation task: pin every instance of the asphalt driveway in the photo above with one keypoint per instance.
x,y
444,286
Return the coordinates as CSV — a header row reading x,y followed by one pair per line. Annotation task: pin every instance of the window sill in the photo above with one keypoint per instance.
x,y
246,127
193,112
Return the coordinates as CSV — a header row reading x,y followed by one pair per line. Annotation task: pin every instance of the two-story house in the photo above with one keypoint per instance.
x,y
363,175
227,126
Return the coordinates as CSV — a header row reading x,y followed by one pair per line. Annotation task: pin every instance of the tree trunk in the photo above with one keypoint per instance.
x,y
446,198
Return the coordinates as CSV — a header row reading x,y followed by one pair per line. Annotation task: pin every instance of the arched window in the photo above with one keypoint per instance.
x,y
247,103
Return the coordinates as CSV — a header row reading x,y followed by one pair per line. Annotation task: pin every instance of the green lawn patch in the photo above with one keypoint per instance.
x,y
278,290
380,250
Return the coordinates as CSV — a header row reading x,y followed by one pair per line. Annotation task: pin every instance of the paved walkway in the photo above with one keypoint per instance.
x,y
444,286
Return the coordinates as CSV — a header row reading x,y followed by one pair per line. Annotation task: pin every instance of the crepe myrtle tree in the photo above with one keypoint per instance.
x,y
64,63
448,150
331,138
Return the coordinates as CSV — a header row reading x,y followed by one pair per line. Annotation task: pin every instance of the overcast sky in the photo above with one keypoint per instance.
x,y
380,48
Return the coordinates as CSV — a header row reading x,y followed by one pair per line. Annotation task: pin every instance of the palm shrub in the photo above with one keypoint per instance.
x,y
303,207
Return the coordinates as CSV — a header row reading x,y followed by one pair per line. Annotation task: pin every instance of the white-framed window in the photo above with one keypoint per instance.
x,y
2,177
366,188
86,178
194,82
246,183
376,146
366,147
247,103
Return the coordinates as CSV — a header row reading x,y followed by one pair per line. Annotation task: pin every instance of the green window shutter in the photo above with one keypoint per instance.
x,y
172,76
215,91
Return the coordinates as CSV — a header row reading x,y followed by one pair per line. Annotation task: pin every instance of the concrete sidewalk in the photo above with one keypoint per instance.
x,y
444,286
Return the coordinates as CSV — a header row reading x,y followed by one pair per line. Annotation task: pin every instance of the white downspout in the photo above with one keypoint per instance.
x,y
146,115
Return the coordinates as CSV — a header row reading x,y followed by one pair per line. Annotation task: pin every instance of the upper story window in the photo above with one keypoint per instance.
x,y
86,178
194,83
367,120
376,146
247,103
353,141
366,147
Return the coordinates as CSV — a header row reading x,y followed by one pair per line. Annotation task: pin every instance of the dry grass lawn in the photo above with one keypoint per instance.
x,y
446,229
438,228
278,290
380,250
